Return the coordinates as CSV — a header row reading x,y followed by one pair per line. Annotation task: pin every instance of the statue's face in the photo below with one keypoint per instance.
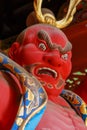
x,y
46,53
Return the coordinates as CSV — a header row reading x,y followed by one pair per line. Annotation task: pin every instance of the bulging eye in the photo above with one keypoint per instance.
x,y
64,56
42,46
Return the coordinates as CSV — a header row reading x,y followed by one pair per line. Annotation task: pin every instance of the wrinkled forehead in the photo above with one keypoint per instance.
x,y
31,34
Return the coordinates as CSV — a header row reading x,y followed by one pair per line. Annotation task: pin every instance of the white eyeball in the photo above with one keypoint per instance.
x,y
64,56
42,46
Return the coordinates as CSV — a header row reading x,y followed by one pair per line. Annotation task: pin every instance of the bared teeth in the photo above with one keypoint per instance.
x,y
47,71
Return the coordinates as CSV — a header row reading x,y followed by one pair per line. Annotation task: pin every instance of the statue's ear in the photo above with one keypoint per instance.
x,y
13,51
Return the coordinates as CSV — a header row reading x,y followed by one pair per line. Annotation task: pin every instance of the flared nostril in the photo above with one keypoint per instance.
x,y
49,60
59,65
53,58
54,61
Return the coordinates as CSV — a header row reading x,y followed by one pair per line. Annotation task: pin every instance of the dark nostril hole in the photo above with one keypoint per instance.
x,y
49,61
59,65
43,58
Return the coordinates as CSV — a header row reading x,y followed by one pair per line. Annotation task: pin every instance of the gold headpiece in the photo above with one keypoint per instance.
x,y
50,19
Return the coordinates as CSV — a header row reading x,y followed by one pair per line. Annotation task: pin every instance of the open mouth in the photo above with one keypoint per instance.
x,y
47,71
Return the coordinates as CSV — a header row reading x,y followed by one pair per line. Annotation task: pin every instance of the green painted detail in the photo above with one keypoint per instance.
x,y
79,73
75,79
69,81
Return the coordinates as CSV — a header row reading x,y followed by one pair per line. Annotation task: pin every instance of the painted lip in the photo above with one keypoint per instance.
x,y
47,71
38,70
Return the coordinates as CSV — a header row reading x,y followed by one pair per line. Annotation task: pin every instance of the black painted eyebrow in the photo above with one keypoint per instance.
x,y
43,35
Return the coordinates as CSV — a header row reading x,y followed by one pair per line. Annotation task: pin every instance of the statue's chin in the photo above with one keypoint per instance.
x,y
53,89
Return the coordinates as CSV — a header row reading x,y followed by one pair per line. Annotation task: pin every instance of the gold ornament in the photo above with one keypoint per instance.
x,y
50,19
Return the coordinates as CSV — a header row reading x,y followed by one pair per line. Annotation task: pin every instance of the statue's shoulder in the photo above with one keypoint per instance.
x,y
76,102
